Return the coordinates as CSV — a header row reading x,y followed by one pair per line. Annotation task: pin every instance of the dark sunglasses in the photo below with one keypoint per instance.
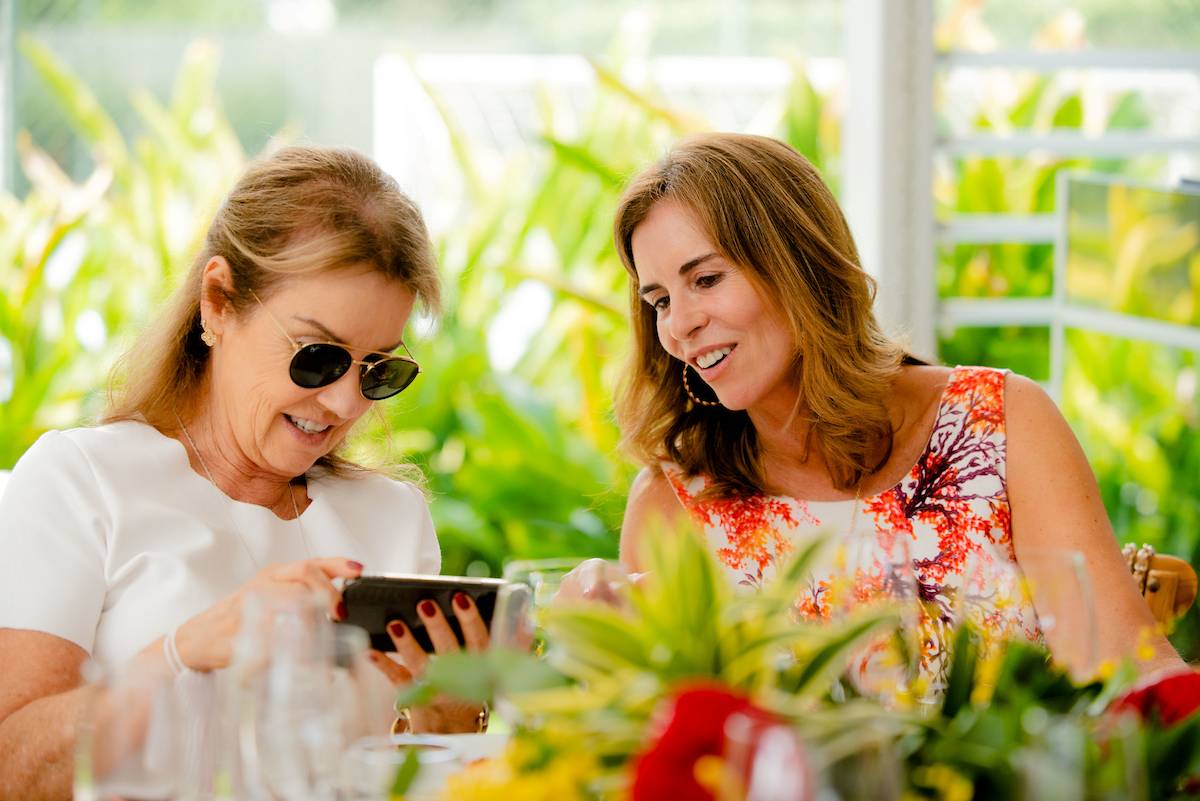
x,y
319,364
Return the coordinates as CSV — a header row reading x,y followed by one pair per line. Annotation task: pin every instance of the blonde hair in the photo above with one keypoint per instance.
x,y
765,209
299,211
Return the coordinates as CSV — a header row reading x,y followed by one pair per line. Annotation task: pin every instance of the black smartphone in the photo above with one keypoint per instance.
x,y
374,601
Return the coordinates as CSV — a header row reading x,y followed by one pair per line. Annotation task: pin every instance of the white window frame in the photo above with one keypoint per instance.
x,y
889,146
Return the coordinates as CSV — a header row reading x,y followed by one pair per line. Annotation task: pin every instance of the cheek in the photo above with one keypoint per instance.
x,y
665,339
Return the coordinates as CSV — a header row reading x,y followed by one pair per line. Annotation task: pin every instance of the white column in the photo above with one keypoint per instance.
x,y
887,153
7,89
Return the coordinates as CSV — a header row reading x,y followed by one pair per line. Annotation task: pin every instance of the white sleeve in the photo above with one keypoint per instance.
x,y
52,543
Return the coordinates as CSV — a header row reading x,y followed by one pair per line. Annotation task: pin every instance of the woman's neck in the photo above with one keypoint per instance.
x,y
214,453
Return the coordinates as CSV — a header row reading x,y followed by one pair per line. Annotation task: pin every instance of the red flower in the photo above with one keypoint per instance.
x,y
694,728
1172,699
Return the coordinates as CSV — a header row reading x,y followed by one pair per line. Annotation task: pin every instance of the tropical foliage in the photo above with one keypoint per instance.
x,y
1010,724
523,461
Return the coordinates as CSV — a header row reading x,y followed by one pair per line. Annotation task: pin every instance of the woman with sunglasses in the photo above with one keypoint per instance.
x,y
216,471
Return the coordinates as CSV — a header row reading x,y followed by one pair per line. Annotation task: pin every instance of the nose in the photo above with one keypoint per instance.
x,y
343,396
686,318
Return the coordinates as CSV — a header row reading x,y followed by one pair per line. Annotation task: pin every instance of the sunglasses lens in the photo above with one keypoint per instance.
x,y
387,377
319,365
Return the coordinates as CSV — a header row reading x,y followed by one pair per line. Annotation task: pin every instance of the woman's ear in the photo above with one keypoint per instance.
x,y
216,289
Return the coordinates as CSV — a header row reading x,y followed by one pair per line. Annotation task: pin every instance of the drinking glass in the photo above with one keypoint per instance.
x,y
1049,590
290,729
370,766
542,576
364,698
533,585
872,771
1061,591
131,741
765,760
872,570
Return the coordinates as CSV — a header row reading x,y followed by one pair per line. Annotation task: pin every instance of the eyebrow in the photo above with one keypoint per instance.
x,y
335,338
684,269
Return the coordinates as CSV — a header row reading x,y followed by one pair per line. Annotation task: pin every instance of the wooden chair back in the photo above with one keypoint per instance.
x,y
1168,583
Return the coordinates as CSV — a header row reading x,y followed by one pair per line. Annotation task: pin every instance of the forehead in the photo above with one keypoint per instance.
x,y
361,305
668,237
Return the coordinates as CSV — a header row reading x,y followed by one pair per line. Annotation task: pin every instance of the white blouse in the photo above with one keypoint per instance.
x,y
109,539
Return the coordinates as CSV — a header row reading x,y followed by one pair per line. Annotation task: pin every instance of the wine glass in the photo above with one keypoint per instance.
x,y
765,761
533,585
872,571
542,576
514,622
370,766
130,743
285,700
1047,590
1060,589
363,696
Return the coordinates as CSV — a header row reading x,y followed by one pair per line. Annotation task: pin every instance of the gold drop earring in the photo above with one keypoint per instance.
x,y
687,388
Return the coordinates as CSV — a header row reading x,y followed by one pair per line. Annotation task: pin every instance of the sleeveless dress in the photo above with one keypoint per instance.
x,y
949,516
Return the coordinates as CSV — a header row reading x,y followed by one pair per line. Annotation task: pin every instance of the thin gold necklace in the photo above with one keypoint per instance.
x,y
232,520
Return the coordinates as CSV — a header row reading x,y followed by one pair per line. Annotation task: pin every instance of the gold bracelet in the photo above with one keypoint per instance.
x,y
483,718
403,722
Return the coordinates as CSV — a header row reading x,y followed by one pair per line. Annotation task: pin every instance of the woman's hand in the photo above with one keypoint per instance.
x,y
205,642
443,714
597,580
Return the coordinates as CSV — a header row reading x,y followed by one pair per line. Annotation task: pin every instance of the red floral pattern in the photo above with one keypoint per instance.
x,y
951,512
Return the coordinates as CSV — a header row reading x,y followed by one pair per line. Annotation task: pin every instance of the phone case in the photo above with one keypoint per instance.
x,y
373,601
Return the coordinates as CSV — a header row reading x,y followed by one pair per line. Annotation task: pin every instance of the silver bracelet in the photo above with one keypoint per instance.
x,y
171,654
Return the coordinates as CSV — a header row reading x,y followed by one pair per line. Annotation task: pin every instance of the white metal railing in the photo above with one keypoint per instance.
x,y
988,229
1061,143
1053,312
1066,315
1055,60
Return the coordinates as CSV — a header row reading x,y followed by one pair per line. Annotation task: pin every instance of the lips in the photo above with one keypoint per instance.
x,y
309,427
711,358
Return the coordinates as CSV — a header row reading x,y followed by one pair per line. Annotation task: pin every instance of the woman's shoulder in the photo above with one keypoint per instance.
x,y
90,442
922,388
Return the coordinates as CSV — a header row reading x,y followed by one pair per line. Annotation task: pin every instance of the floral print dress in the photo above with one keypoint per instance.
x,y
950,514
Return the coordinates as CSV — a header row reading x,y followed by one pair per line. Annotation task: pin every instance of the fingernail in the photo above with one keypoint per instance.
x,y
427,608
350,563
396,629
341,610
462,601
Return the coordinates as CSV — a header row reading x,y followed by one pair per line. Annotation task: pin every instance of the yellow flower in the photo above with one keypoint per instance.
x,y
562,778
1145,646
986,672
949,784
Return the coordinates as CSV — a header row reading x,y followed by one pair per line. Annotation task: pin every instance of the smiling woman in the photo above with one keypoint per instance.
x,y
215,473
768,407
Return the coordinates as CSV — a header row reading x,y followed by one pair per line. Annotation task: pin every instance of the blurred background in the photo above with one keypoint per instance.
x,y
947,127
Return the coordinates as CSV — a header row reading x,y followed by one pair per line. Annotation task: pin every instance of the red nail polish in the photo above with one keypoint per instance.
x,y
341,610
396,629
350,563
427,608
462,601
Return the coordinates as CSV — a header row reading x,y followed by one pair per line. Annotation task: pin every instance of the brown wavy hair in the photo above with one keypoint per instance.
x,y
765,209
299,211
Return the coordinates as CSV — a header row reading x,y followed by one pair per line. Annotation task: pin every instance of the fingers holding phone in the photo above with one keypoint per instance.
x,y
474,629
392,599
